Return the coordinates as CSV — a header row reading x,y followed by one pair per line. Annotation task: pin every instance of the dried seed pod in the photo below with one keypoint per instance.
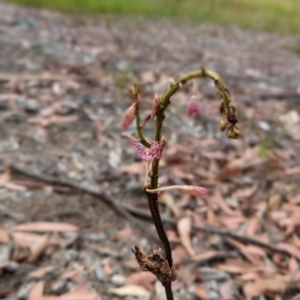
x,y
223,123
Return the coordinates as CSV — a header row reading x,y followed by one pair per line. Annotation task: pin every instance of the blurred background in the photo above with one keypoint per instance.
x,y
272,15
72,204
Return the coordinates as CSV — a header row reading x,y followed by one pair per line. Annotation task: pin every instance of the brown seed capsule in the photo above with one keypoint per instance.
x,y
230,133
223,124
236,132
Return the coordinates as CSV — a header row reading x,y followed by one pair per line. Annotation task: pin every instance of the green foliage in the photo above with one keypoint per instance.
x,y
272,15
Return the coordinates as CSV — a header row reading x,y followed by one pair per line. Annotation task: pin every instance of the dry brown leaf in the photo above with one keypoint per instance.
x,y
253,226
130,290
236,266
232,222
38,121
226,290
5,177
175,148
296,240
290,249
37,291
81,294
37,249
212,219
218,155
4,237
262,286
107,267
63,119
231,268
103,250
172,235
218,199
200,291
250,276
24,239
256,250
292,171
178,172
132,264
15,187
132,169
45,226
293,265
249,251
20,254
295,199
144,279
178,254
246,193
124,233
41,272
50,110
184,227
248,288
201,257
104,139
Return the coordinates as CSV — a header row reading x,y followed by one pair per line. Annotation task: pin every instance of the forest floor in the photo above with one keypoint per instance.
x,y
71,200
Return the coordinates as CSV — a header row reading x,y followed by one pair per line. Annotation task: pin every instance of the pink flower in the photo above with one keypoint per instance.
x,y
155,151
194,190
193,107
189,189
128,116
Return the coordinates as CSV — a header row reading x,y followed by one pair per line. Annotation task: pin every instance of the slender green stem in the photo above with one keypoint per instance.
x,y
153,197
174,88
158,132
139,127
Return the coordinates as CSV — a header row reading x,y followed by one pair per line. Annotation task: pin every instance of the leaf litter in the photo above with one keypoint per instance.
x,y
60,108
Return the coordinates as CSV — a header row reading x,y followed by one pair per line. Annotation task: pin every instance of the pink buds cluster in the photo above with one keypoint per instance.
x,y
193,107
155,151
128,116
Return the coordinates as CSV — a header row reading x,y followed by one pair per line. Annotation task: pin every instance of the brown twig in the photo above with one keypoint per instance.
x,y
127,210
210,229
90,189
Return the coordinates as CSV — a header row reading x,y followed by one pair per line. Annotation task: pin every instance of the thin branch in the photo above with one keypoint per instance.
x,y
139,127
94,190
88,188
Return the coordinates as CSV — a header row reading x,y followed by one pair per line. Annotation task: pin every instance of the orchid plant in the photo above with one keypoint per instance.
x,y
160,262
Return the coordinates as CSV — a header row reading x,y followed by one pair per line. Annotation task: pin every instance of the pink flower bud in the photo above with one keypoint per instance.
x,y
189,189
194,190
142,152
193,107
156,151
128,116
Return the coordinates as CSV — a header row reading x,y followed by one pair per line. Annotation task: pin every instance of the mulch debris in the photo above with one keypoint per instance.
x,y
71,200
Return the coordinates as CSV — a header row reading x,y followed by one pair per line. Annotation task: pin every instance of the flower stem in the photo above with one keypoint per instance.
x,y
153,206
151,190
139,127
